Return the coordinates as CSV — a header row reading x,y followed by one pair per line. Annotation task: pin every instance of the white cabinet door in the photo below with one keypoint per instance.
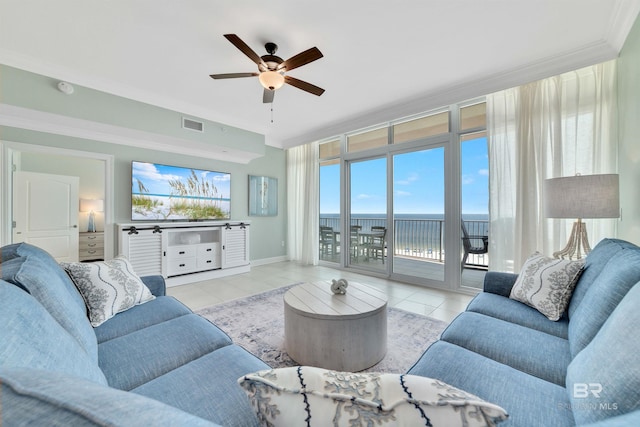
x,y
45,213
235,245
144,250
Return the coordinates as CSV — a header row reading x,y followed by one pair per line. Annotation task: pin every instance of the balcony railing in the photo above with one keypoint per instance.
x,y
418,238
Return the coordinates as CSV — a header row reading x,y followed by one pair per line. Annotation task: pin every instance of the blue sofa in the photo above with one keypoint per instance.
x,y
156,364
581,370
159,364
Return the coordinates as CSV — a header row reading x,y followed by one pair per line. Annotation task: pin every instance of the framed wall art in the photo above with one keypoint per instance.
x,y
263,196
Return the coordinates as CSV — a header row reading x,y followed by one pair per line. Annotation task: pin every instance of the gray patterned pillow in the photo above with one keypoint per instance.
x,y
108,287
310,396
547,284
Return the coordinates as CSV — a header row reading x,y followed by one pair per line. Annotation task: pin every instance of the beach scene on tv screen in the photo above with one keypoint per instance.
x,y
160,192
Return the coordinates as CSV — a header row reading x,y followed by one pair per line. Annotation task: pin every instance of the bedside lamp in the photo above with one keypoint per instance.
x,y
91,206
581,196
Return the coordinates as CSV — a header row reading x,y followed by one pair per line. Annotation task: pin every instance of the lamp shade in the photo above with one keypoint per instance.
x,y
582,196
271,80
91,205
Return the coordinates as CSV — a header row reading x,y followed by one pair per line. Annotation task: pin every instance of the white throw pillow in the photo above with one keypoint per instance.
x,y
547,284
316,397
107,287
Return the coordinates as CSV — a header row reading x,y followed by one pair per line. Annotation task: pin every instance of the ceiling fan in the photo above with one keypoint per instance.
x,y
271,68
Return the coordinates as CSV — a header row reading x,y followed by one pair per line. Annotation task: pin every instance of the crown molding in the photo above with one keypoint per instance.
x,y
625,13
25,118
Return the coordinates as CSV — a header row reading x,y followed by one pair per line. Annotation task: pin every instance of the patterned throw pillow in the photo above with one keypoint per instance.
x,y
547,284
307,396
108,287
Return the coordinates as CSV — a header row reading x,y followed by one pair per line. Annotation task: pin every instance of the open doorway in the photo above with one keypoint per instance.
x,y
93,170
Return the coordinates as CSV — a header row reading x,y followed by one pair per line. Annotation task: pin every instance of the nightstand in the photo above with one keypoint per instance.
x,y
91,246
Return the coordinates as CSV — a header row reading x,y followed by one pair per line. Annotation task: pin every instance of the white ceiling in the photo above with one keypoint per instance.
x,y
382,60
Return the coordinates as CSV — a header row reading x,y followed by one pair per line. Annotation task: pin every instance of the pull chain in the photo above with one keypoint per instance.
x,y
271,111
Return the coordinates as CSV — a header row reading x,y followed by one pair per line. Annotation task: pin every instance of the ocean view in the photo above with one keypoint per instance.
x,y
418,235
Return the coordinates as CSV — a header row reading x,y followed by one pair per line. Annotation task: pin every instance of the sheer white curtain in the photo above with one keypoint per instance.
x,y
561,126
303,190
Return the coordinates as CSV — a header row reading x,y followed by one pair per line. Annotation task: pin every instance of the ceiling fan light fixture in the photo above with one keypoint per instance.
x,y
271,80
271,69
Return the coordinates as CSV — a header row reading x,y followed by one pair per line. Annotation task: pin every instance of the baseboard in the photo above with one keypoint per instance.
x,y
265,261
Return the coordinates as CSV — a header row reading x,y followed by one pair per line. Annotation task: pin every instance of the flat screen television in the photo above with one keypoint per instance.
x,y
173,193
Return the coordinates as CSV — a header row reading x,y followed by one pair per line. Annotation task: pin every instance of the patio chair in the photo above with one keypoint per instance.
x,y
375,244
475,245
327,241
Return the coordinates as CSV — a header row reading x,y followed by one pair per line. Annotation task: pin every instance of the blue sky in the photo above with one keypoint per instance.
x,y
418,183
155,178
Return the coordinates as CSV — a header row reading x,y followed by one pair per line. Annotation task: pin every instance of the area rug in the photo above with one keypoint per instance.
x,y
257,324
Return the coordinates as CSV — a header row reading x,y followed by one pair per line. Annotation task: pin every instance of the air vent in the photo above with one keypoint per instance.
x,y
192,125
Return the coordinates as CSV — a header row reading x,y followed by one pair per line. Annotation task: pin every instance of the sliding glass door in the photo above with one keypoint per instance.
x,y
414,198
366,235
419,214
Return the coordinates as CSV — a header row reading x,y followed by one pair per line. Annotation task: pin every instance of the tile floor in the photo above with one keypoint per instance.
x,y
443,305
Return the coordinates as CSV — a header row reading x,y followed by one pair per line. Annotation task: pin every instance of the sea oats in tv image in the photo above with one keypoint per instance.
x,y
172,193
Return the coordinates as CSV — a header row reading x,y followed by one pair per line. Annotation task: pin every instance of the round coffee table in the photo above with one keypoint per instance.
x,y
339,332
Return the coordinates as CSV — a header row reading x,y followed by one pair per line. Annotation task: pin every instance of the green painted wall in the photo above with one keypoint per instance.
x,y
39,93
629,134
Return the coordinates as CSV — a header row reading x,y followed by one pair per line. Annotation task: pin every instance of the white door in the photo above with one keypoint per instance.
x,y
45,213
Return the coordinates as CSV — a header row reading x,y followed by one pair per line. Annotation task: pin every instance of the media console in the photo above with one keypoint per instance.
x,y
185,252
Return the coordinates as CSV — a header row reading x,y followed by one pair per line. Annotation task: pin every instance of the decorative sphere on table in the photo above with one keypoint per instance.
x,y
339,287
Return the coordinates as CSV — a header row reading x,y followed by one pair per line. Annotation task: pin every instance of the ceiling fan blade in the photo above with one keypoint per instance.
x,y
267,96
232,75
308,87
244,48
301,59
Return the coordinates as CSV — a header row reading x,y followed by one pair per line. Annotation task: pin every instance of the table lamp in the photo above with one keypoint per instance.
x,y
581,196
91,206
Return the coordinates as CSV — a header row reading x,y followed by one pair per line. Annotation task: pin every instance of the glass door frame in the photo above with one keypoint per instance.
x,y
451,203
345,205
436,142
